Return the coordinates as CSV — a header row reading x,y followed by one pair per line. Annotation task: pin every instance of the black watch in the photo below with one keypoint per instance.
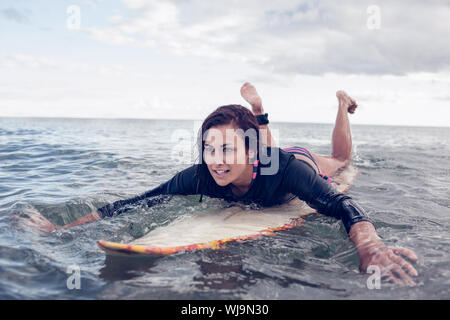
x,y
262,119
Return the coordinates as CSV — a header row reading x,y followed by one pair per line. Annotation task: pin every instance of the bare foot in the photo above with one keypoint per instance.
x,y
346,102
248,92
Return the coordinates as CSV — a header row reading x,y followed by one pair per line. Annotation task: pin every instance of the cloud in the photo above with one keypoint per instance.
x,y
93,3
19,16
299,37
46,64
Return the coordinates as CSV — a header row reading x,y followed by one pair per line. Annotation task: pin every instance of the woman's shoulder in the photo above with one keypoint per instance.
x,y
273,160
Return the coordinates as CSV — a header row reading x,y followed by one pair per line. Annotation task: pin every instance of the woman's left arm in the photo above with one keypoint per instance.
x,y
301,180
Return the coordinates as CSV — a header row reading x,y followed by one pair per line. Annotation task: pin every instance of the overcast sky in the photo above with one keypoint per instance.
x,y
182,59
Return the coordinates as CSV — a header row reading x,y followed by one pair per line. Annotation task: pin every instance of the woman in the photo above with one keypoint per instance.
x,y
240,162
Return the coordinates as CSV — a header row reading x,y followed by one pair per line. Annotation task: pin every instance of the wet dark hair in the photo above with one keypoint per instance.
x,y
238,116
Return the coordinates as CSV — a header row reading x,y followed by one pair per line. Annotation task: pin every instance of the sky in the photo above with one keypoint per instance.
x,y
167,59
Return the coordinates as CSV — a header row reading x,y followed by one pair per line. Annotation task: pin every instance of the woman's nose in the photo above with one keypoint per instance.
x,y
219,159
216,158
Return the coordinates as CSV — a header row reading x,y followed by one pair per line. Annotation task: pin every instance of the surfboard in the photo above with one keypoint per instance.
x,y
213,229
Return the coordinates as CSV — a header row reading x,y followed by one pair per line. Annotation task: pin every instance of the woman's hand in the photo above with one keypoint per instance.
x,y
373,252
34,222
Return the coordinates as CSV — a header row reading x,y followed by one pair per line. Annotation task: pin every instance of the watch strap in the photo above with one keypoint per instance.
x,y
262,119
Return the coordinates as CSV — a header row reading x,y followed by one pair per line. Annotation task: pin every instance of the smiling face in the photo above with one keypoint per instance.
x,y
226,157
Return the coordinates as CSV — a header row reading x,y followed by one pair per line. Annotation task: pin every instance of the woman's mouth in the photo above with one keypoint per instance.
x,y
221,173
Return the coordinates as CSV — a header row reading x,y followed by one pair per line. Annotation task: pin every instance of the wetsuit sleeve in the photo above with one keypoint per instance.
x,y
183,183
300,179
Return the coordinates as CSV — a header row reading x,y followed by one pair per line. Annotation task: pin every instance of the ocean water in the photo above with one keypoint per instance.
x,y
65,168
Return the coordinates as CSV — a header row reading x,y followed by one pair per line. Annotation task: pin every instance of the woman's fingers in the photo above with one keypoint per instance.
x,y
393,263
387,273
396,274
403,275
404,264
406,252
34,222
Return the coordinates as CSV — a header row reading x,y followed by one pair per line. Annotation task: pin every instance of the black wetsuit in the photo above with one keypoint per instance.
x,y
294,178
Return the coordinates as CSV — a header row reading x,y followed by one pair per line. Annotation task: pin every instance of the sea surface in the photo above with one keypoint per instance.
x,y
65,168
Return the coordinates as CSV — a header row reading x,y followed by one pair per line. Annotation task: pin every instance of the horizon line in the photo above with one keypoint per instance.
x,y
178,119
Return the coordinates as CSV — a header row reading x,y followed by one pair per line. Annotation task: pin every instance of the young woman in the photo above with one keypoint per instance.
x,y
240,162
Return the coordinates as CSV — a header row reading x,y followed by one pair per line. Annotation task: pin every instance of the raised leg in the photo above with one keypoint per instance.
x,y
341,138
248,92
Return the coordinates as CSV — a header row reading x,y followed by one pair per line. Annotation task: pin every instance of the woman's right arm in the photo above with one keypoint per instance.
x,y
90,217
183,183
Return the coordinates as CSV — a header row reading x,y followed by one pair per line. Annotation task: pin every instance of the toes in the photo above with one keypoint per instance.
x,y
351,109
345,100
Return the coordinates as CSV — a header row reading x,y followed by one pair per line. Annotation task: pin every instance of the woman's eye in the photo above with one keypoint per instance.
x,y
209,149
228,149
